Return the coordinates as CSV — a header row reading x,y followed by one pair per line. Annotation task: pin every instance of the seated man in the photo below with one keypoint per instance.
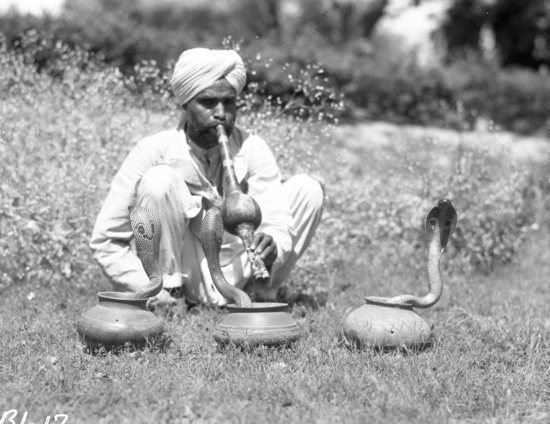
x,y
179,173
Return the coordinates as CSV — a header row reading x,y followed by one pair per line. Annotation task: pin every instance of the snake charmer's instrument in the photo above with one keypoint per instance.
x,y
391,321
241,214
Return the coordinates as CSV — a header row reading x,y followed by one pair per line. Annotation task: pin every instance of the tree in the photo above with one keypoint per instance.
x,y
522,32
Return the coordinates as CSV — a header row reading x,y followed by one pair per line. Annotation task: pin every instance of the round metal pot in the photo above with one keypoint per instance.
x,y
119,318
384,325
266,324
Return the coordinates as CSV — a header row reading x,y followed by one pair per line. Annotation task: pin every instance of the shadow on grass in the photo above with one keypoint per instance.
x,y
255,348
356,345
157,344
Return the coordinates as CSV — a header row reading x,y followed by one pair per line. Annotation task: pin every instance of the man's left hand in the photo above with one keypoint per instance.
x,y
264,246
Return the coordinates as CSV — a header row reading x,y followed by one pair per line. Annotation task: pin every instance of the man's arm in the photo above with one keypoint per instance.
x,y
112,232
264,185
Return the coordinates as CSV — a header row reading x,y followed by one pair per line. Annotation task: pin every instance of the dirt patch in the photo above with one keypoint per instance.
x,y
367,135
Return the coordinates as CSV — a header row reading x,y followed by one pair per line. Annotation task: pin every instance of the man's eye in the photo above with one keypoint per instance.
x,y
208,103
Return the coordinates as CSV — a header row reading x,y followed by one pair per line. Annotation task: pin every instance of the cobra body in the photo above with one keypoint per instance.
x,y
440,224
211,236
147,231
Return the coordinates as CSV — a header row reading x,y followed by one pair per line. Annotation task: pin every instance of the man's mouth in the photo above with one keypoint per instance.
x,y
228,129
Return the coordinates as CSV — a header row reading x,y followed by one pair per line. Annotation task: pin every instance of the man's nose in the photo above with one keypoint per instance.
x,y
219,111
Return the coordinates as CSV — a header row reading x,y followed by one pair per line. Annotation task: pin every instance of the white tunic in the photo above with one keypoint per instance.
x,y
172,174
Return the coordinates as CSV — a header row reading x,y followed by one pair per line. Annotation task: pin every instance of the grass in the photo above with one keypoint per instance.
x,y
61,142
490,362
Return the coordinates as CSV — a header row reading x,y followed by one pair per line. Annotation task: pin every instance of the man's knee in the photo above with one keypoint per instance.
x,y
157,181
311,190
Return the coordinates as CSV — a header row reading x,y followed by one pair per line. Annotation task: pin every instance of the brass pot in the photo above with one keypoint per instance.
x,y
268,324
119,318
386,325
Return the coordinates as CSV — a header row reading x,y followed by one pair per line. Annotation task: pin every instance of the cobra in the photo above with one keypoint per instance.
x,y
239,215
147,231
440,225
211,236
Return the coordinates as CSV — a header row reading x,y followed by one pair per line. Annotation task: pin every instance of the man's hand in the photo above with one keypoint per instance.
x,y
265,247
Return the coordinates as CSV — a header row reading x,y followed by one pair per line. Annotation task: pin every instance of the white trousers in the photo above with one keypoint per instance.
x,y
181,256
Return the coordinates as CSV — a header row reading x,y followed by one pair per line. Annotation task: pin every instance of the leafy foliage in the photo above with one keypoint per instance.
x,y
521,29
377,84
60,141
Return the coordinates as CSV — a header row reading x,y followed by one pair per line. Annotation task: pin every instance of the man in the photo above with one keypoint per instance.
x,y
179,174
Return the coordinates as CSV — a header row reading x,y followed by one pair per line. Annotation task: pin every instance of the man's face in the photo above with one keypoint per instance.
x,y
213,106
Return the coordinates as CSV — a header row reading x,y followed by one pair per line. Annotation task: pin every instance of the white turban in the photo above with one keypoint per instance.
x,y
199,68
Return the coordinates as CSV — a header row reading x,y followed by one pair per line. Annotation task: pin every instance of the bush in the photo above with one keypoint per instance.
x,y
516,99
386,203
374,85
521,30
61,138
462,25
377,88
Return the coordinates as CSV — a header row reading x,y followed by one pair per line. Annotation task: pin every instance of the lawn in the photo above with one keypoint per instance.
x,y
61,142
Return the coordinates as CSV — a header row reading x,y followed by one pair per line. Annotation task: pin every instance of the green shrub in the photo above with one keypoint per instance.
x,y
61,139
376,217
516,99
375,86
462,25
520,29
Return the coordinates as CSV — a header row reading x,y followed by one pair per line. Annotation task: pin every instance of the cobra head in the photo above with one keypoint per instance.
x,y
145,224
444,216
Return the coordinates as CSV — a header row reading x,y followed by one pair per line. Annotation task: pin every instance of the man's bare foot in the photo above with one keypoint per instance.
x,y
289,293
294,296
163,300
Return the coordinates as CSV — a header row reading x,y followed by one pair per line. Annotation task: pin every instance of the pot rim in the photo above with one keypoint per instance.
x,y
406,306
121,297
260,307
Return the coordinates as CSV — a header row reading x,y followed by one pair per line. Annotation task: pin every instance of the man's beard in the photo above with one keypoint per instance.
x,y
210,136
206,136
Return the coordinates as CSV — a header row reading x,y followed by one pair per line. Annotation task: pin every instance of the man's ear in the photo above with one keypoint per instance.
x,y
183,117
